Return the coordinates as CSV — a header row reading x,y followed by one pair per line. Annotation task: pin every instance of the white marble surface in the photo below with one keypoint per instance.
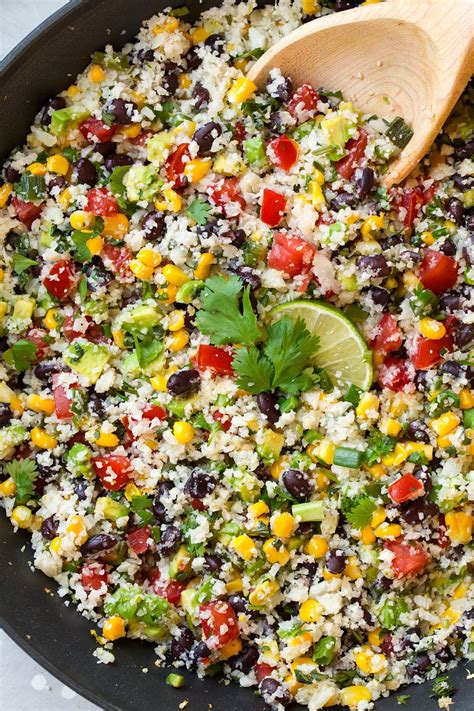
x,y
24,685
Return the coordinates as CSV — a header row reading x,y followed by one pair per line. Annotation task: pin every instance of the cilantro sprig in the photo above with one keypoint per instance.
x,y
358,510
24,473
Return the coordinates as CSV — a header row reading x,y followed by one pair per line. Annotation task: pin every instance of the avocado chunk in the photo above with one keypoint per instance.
x,y
140,317
87,359
337,130
157,147
21,315
190,605
108,508
269,445
142,182
11,436
180,566
78,460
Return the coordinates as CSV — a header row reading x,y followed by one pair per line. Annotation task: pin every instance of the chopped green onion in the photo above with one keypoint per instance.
x,y
291,403
175,680
348,457
355,313
312,436
353,395
30,187
468,419
312,511
399,132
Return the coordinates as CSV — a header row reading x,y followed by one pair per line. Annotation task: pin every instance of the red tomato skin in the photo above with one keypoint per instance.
x,y
93,576
38,337
407,559
175,164
406,488
263,670
412,201
223,419
390,337
119,476
395,374
283,152
304,103
151,412
273,207
137,540
291,255
240,133
427,353
169,589
355,147
62,401
226,195
438,272
61,279
95,130
27,212
119,258
214,616
101,202
218,360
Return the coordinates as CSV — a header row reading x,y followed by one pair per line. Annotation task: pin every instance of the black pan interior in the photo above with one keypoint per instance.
x,y
33,615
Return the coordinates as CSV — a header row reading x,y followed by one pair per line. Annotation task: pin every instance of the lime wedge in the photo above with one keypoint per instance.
x,y
342,351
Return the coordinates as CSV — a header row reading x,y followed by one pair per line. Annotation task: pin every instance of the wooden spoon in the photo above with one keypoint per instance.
x,y
407,58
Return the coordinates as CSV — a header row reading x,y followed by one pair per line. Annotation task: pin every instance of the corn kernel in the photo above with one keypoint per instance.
x,y
368,406
230,649
200,34
119,339
65,198
5,192
114,628
376,471
396,457
374,637
459,526
37,169
184,81
22,516
317,547
371,226
466,399
77,527
244,546
158,383
72,90
81,220
42,439
16,405
325,451
234,586
391,427
58,164
352,696
279,466
50,319
388,530
370,662
107,439
179,340
171,24
241,64
115,226
40,404
197,168
175,320
378,517
151,444
172,201
460,592
391,283
131,491
168,294
429,328
241,90
427,238
203,268
444,442
445,424
149,257
95,245
397,406
140,270
426,449
96,74
317,195
8,487
131,131
367,536
56,545
352,569
259,508
310,611
283,525
262,594
183,432
275,553
174,275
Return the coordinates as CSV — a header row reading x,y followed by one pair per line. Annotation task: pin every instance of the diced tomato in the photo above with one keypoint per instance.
x,y
62,399
263,670
113,470
240,133
283,152
395,373
95,130
440,537
223,419
95,333
137,540
408,559
355,148
61,279
226,195
406,488
119,259
175,166
151,412
40,339
27,212
169,589
426,353
273,207
75,326
219,623
291,255
197,505
413,200
219,360
101,202
438,272
93,576
389,337
304,103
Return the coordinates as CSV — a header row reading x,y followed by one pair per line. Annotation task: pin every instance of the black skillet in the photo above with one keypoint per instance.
x,y
56,636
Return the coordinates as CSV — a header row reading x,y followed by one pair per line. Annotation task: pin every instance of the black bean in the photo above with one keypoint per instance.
x,y
268,406
170,79
213,562
237,237
205,135
96,404
343,200
274,693
85,172
246,274
384,583
418,432
336,561
282,91
116,160
159,509
215,43
170,541
419,666
297,484
49,528
366,182
182,644
376,265
153,224
463,152
262,472
238,603
341,5
96,274
184,382
410,257
52,105
106,148
122,110
6,414
451,367
47,368
450,302
146,55
193,60
470,229
56,184
275,122
379,296
455,210
245,660
390,241
11,174
199,484
201,651
464,335
80,488
209,230
463,182
468,249
448,247
202,96
98,543
413,512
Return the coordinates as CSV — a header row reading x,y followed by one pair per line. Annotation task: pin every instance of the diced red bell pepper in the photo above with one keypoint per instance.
x,y
219,360
138,540
438,272
291,255
119,259
93,576
389,337
408,559
355,148
413,200
27,212
283,152
152,412
40,339
263,670
406,488
426,353
219,623
101,202
95,130
273,207
395,373
303,105
62,399
61,279
226,195
113,470
175,165
169,589
223,419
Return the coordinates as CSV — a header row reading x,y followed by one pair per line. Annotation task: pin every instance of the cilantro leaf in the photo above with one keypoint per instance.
x,y
23,354
199,210
442,688
379,445
148,349
402,699
24,473
142,505
224,315
21,263
358,511
255,373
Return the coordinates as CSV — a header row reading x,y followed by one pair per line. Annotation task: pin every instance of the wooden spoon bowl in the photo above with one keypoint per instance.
x,y
407,58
